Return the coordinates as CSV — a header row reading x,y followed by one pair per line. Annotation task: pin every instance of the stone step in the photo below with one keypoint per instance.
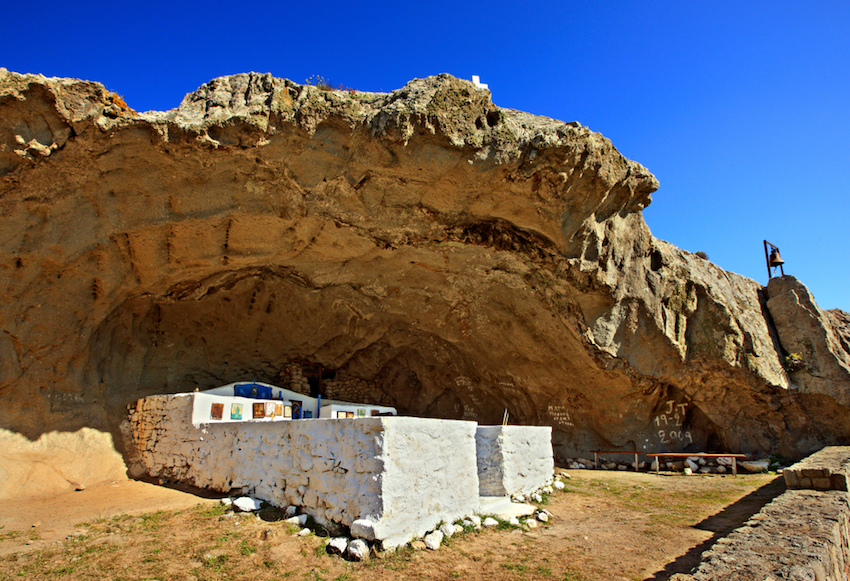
x,y
501,507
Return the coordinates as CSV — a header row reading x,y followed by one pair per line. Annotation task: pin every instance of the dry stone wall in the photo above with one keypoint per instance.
x,y
828,469
388,479
801,535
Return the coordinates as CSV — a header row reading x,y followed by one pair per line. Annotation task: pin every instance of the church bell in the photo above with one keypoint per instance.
x,y
775,259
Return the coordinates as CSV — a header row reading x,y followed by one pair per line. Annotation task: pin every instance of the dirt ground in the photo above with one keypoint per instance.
x,y
605,525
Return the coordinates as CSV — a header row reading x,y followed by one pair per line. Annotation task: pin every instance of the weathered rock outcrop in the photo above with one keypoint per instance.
x,y
820,338
455,257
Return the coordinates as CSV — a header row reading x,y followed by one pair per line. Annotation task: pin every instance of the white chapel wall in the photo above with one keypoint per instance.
x,y
388,478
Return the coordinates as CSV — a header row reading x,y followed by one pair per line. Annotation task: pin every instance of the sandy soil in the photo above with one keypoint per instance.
x,y
56,517
606,525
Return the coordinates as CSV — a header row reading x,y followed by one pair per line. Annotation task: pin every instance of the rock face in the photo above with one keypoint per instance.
x,y
820,339
452,258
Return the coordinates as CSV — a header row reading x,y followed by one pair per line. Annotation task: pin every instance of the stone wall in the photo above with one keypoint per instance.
x,y
357,472
348,388
801,535
825,470
513,459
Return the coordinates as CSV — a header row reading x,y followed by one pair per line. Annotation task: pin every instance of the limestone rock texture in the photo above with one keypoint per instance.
x,y
456,258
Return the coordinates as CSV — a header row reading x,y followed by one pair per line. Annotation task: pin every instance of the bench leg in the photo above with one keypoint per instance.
x,y
657,465
636,463
596,460
734,466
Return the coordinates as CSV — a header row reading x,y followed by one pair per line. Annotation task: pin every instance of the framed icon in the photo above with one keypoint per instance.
x,y
217,411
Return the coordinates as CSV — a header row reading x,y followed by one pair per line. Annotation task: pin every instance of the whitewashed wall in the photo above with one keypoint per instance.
x,y
388,478
513,459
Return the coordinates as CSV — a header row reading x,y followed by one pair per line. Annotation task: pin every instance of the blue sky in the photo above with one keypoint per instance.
x,y
741,109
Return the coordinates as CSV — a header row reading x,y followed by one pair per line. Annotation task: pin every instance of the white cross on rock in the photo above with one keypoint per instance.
x,y
476,80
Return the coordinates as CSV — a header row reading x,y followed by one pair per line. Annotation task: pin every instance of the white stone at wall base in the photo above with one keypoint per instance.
x,y
433,540
247,504
299,520
358,550
337,545
448,529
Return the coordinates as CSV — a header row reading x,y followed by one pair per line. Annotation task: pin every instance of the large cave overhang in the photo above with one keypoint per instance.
x,y
432,338
459,258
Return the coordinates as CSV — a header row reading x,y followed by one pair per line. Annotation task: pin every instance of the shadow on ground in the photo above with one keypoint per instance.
x,y
721,524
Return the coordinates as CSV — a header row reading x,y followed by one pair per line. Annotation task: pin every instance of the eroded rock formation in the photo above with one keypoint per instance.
x,y
457,258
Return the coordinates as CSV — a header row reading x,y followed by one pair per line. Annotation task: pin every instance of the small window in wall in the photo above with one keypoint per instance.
x,y
340,415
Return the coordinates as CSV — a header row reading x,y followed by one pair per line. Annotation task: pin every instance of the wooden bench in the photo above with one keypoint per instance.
x,y
735,458
596,454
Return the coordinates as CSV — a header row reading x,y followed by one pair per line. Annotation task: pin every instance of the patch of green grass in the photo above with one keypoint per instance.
x,y
396,560
515,567
204,510
506,525
246,548
545,571
216,563
151,557
9,535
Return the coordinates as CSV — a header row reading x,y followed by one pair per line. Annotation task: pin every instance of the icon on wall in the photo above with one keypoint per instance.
x,y
217,411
